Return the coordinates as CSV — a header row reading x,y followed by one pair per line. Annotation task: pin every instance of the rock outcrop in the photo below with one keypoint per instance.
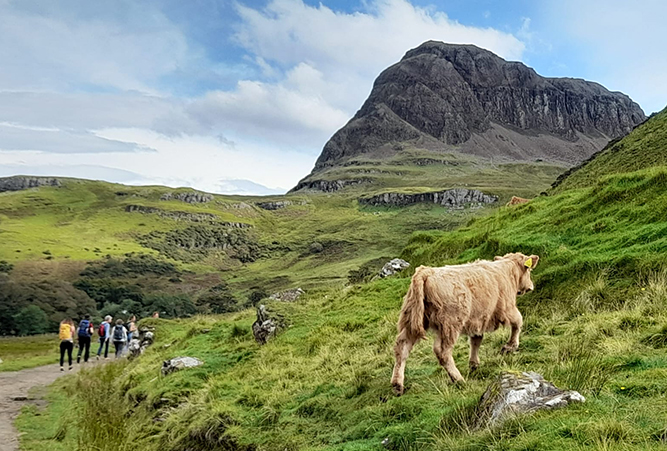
x,y
287,295
185,216
514,394
452,198
445,97
328,186
139,345
392,267
190,197
180,363
266,326
21,182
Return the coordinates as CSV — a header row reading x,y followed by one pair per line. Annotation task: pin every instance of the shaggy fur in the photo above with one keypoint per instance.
x,y
516,201
472,299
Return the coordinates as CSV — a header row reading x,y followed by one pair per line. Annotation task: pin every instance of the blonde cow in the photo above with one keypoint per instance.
x,y
470,299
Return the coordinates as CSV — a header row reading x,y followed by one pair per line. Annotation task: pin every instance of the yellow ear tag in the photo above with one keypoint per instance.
x,y
529,263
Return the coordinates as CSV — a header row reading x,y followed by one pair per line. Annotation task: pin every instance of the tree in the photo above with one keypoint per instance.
x,y
31,320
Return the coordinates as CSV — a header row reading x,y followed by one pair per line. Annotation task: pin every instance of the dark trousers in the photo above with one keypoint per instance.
x,y
68,346
104,343
84,344
119,345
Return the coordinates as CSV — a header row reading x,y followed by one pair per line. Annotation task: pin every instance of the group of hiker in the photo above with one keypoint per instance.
x,y
118,333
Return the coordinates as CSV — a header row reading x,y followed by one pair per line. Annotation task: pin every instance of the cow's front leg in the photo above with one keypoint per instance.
x,y
475,343
513,344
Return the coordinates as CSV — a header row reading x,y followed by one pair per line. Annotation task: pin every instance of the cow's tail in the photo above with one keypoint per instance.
x,y
412,313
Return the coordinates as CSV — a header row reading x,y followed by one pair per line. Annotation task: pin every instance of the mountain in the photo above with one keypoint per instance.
x,y
446,97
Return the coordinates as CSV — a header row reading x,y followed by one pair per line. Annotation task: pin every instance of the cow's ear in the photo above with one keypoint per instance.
x,y
496,258
531,262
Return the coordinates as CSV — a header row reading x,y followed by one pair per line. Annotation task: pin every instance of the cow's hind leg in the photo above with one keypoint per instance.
x,y
443,348
404,344
516,321
475,343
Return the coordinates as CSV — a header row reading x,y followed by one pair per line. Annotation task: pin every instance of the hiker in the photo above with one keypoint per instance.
x,y
119,336
131,329
105,333
66,335
85,334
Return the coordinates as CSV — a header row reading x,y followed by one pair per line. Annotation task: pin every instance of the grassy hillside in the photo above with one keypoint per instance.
x,y
645,147
597,323
105,246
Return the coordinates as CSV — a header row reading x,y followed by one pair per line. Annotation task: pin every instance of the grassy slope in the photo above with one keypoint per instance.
x,y
28,352
50,232
645,147
596,323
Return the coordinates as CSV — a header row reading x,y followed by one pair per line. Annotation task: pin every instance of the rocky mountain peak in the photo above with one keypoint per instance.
x,y
450,97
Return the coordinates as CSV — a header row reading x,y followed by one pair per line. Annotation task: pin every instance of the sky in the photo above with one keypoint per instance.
x,y
240,96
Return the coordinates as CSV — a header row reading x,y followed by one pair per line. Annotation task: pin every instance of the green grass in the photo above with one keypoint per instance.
x,y
323,383
54,427
645,147
18,353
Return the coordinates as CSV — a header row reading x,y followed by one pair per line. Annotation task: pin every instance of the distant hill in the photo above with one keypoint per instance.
x,y
460,98
645,147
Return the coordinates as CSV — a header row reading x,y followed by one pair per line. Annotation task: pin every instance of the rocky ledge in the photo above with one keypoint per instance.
x,y
184,216
20,182
453,198
190,197
328,186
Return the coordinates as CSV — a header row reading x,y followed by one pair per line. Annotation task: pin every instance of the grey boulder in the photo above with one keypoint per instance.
x,y
514,393
392,267
180,363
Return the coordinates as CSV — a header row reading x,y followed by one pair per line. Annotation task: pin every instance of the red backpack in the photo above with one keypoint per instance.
x,y
102,330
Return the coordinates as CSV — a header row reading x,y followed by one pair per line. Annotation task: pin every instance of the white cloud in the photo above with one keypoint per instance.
x,y
51,49
317,64
621,43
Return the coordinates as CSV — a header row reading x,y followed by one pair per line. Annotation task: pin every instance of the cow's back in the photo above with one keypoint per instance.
x,y
474,296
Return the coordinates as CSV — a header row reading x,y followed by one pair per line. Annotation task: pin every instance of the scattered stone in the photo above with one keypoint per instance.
x,y
205,331
315,248
386,442
138,345
392,267
457,198
190,197
179,363
287,295
266,326
20,182
514,393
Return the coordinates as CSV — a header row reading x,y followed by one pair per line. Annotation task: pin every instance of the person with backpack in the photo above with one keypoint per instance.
x,y
66,335
105,333
85,334
119,336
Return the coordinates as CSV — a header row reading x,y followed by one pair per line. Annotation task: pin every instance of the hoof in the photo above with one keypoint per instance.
x,y
507,349
398,389
473,366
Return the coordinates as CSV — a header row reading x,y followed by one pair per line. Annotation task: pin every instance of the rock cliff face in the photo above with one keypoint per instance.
x,y
20,182
460,97
452,198
190,197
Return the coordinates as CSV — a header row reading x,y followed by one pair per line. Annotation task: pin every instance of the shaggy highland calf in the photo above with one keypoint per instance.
x,y
472,299
517,201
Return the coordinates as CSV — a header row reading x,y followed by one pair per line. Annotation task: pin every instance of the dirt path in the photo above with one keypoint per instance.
x,y
14,386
